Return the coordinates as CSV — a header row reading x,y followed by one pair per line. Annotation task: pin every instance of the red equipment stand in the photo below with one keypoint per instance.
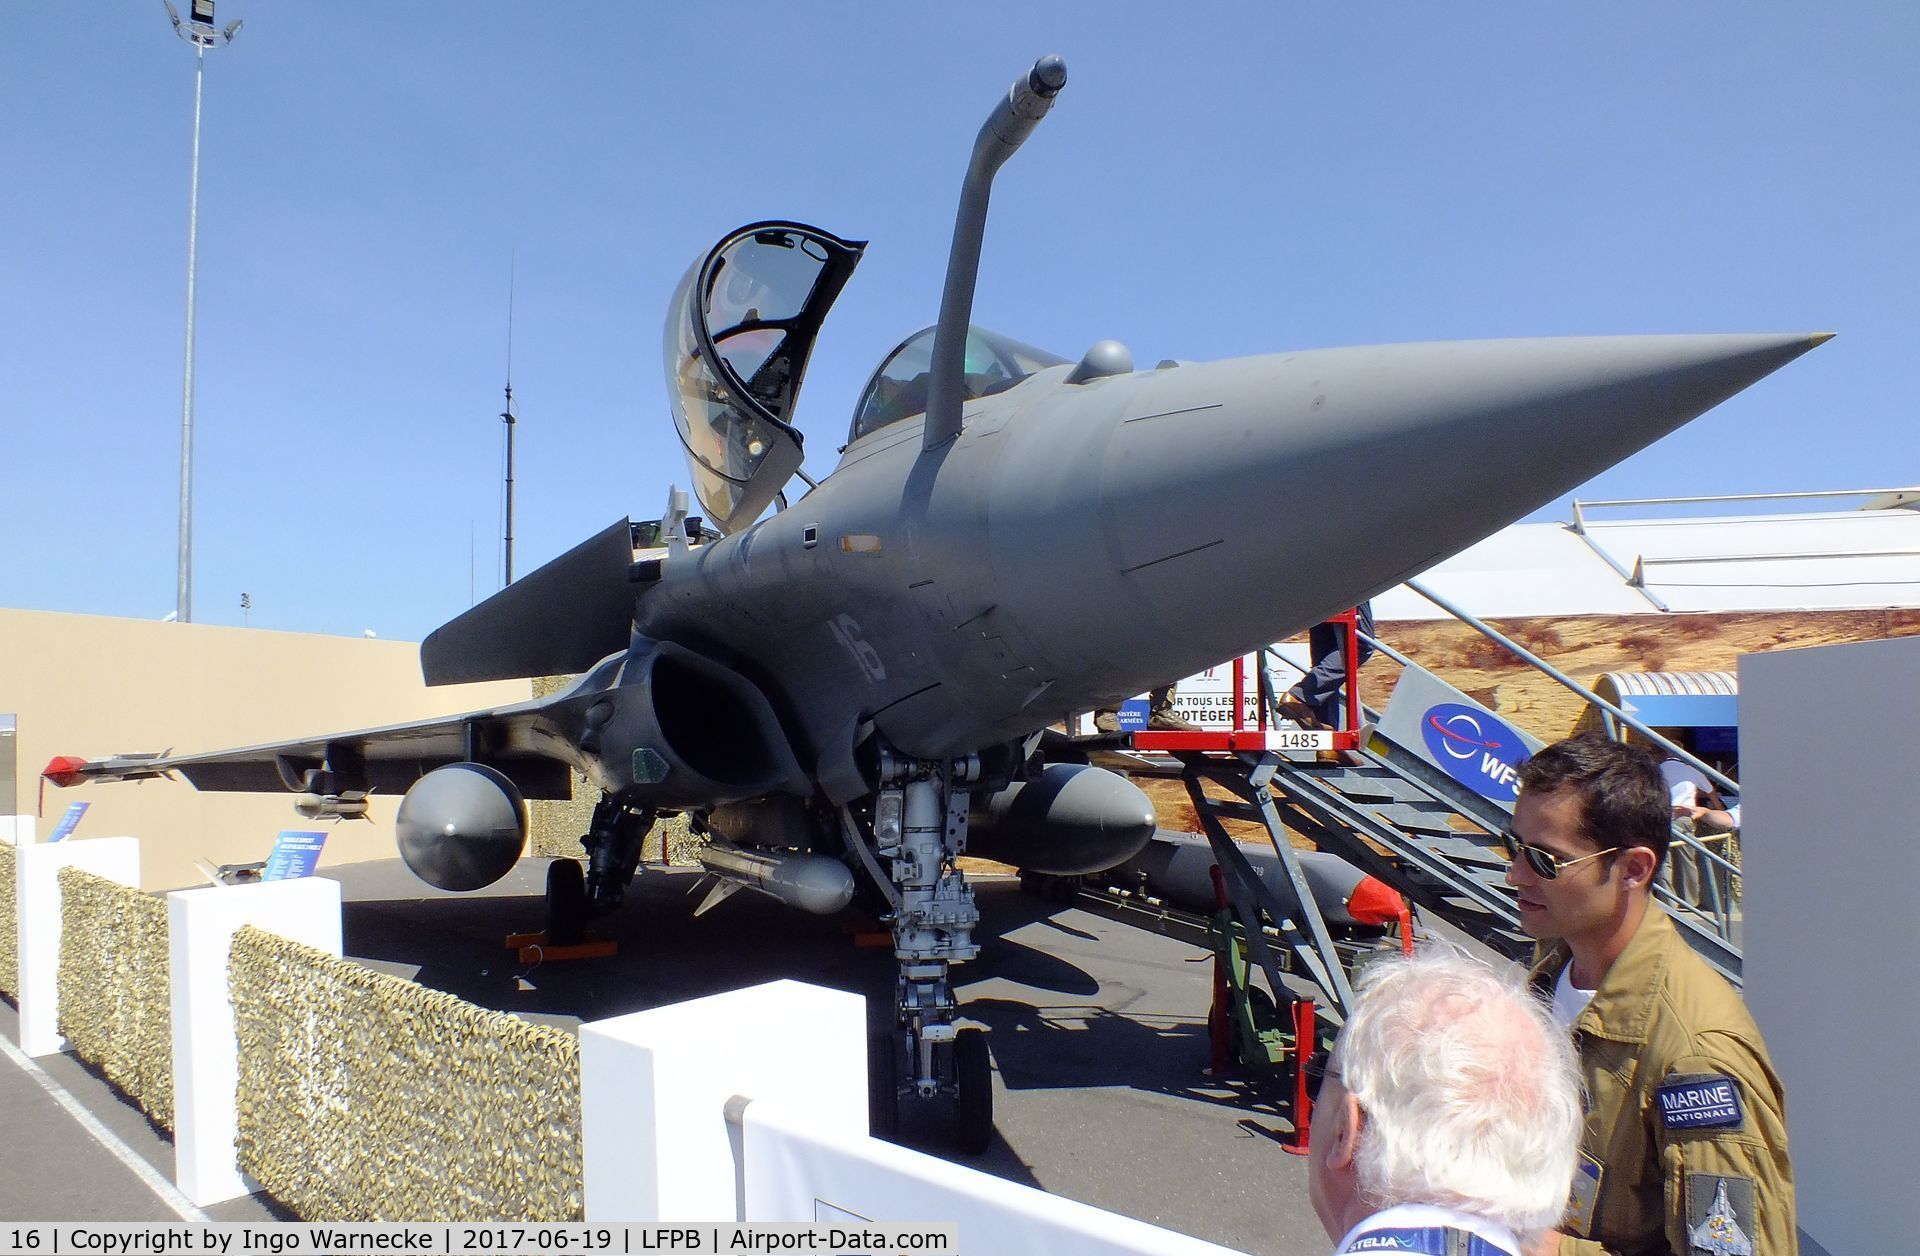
x,y
1241,738
1305,1037
533,948
1262,738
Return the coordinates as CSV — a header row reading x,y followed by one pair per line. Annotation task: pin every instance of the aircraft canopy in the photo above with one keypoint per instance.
x,y
898,389
740,328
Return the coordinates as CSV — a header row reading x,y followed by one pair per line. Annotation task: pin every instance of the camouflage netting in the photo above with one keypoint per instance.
x,y
364,1097
115,987
9,922
558,825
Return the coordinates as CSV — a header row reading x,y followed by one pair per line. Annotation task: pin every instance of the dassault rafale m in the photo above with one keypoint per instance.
x,y
844,693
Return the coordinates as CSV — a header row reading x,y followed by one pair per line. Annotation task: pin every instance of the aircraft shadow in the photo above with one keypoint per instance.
x,y
1060,1039
666,954
1081,1047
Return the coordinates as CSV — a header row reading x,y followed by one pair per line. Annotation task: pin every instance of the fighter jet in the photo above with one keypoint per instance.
x,y
846,692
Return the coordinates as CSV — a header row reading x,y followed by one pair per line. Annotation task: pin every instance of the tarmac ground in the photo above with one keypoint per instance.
x,y
1097,1029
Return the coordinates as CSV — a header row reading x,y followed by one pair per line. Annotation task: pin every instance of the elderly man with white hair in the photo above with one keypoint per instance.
x,y
1448,1121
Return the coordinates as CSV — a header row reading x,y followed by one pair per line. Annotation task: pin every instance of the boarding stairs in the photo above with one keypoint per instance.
x,y
1384,807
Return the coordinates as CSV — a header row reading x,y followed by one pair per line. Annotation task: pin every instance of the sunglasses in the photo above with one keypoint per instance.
x,y
1545,862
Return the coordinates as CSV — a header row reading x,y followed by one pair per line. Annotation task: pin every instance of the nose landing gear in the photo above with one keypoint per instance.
x,y
926,1062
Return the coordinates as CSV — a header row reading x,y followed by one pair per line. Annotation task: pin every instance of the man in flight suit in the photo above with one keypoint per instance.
x,y
1684,1148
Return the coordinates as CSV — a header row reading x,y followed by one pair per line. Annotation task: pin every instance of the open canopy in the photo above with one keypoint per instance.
x,y
740,328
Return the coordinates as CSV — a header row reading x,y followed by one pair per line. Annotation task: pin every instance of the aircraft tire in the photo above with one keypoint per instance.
x,y
973,1092
566,902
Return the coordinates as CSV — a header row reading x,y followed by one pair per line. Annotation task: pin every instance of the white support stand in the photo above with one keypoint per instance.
x,y
16,830
654,1088
205,1056
39,913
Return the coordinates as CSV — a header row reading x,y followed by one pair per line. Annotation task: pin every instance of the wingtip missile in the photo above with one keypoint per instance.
x,y
67,770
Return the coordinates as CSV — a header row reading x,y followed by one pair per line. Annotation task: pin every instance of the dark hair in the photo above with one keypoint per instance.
x,y
1623,798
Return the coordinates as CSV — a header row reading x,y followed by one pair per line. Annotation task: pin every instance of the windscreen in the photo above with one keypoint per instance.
x,y
898,390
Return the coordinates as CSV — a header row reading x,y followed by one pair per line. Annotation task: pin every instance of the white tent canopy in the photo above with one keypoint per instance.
x,y
1842,559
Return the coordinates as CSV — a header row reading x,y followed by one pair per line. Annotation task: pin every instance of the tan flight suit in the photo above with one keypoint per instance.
x,y
1686,1126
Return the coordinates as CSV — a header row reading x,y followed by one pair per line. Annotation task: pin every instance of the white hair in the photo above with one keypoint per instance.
x,y
1470,1091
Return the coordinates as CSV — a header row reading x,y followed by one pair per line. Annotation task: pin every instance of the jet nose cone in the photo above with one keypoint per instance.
x,y
1325,476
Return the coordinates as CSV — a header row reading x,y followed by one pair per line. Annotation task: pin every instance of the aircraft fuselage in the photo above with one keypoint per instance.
x,y
1081,543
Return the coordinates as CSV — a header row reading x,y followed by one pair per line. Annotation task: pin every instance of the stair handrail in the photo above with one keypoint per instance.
x,y
1499,638
1715,914
1717,910
1720,910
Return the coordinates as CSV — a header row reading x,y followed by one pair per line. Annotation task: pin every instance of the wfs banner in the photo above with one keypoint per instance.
x,y
1458,735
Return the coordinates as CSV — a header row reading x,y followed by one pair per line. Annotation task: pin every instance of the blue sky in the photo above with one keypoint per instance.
x,y
1216,180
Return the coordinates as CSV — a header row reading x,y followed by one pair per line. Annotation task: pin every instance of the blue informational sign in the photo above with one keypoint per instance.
x,y
295,854
1476,749
69,821
1133,715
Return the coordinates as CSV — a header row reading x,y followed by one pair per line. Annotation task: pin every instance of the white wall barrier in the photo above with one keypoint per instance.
x,y
654,1087
38,907
16,830
796,1171
201,925
1828,743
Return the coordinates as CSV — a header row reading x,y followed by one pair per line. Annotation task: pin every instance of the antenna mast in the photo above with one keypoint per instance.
x,y
506,416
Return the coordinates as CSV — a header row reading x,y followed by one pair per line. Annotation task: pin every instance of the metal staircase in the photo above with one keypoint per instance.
x,y
1390,811
1383,820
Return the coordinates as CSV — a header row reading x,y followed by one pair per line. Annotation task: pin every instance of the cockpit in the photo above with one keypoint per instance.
x,y
898,389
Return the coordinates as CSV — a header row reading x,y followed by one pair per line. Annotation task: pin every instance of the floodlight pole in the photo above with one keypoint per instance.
x,y
199,32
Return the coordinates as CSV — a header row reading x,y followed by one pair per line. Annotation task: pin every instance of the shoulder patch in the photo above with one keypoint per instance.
x,y
1720,1216
1701,1101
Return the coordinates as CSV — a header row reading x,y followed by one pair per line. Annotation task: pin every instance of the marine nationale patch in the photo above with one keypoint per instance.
x,y
1704,1101
1720,1218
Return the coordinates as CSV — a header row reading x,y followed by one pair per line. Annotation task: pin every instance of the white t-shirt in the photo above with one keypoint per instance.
x,y
1569,1000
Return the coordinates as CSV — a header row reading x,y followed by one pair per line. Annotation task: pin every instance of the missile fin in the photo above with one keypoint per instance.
x,y
722,890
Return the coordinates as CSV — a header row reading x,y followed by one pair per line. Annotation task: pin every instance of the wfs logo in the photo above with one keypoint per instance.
x,y
1475,749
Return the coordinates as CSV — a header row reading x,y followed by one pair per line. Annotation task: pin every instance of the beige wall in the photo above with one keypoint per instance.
x,y
93,686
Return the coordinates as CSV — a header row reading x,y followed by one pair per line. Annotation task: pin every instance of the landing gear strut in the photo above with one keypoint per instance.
x,y
919,829
613,851
613,856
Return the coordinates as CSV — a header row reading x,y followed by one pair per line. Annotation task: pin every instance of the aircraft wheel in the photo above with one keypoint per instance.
x,y
566,902
973,1092
883,1086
